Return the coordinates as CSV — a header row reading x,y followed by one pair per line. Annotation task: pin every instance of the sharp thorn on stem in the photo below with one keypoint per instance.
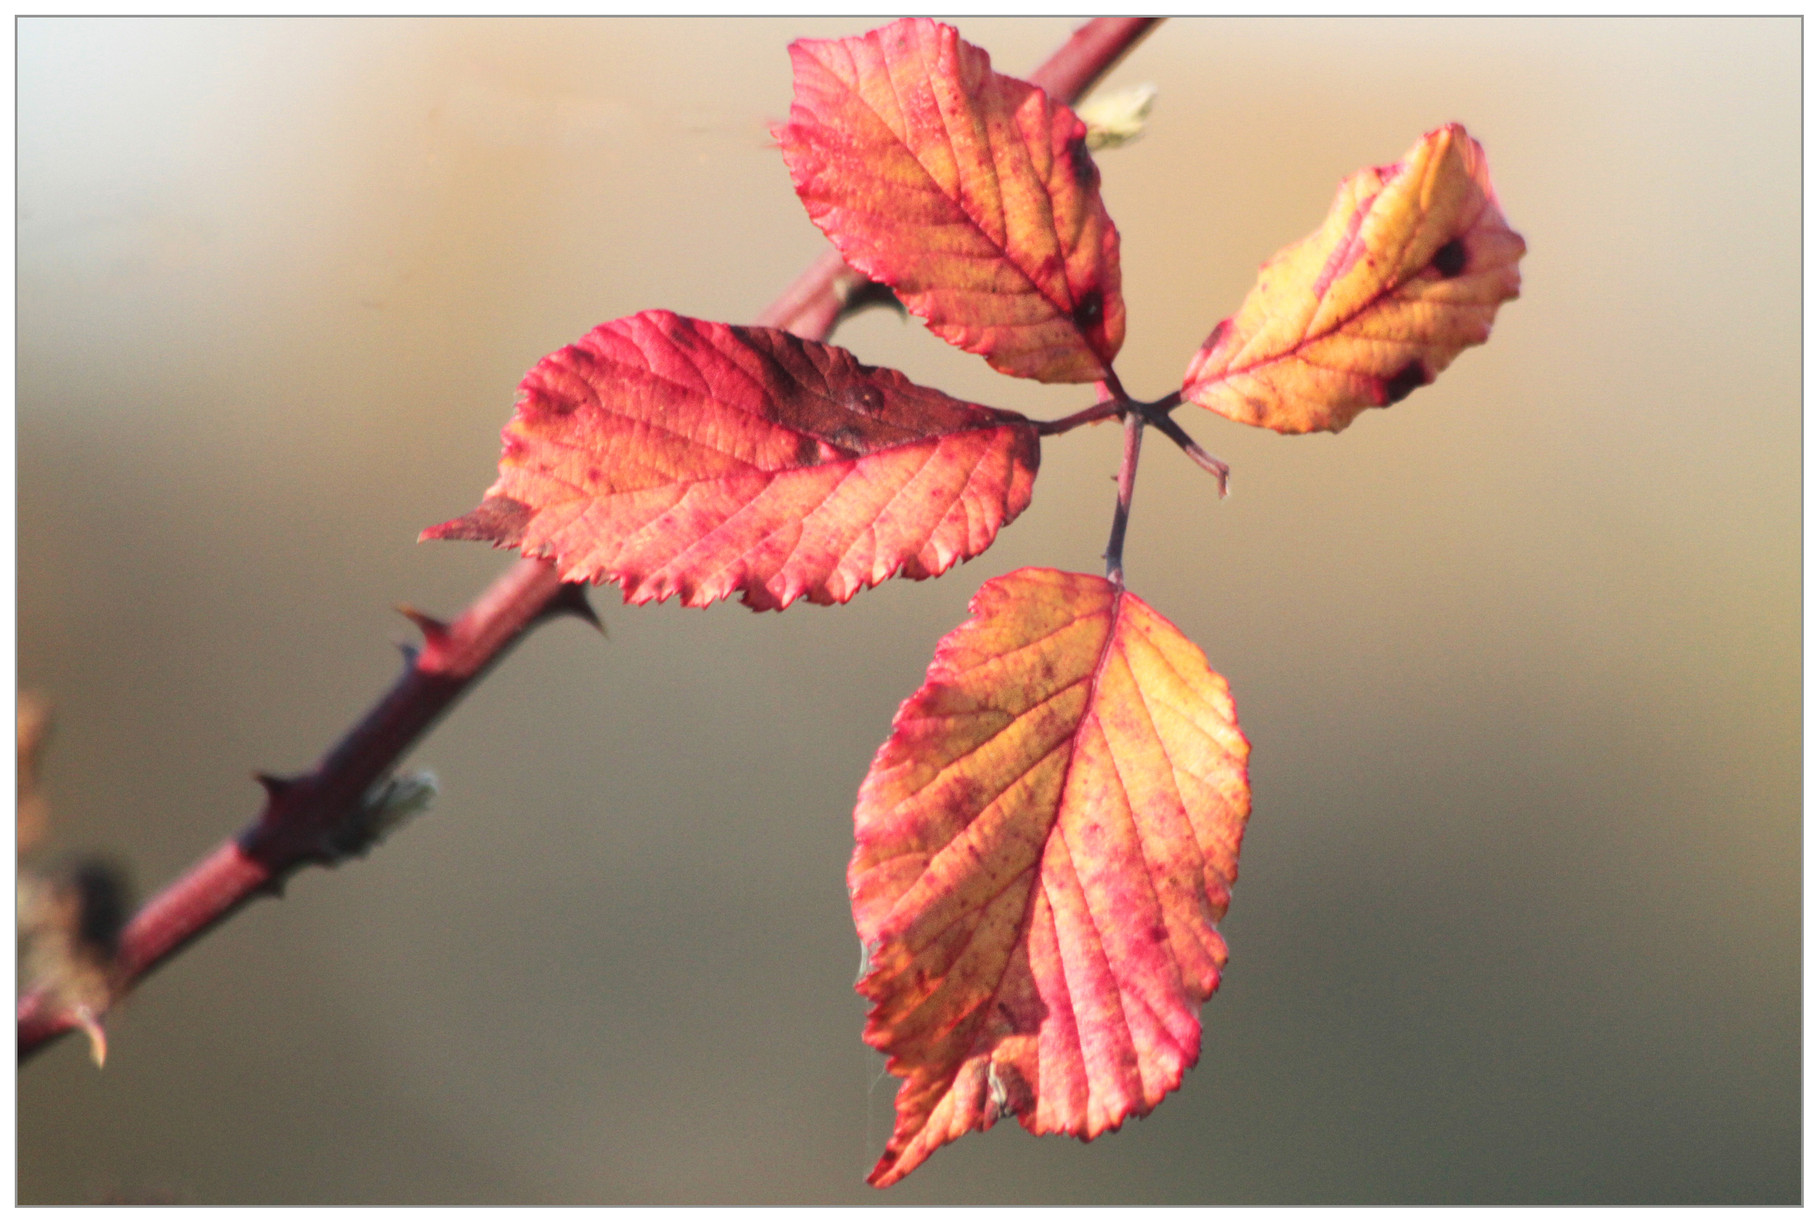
x,y
90,1026
275,786
434,631
571,600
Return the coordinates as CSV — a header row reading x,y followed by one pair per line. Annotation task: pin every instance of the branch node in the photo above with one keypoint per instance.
x,y
388,806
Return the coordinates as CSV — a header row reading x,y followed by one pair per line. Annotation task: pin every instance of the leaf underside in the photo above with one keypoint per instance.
x,y
682,457
1407,270
1045,846
970,193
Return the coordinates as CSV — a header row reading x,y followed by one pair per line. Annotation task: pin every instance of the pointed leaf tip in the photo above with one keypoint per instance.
x,y
971,193
1045,846
682,457
1406,272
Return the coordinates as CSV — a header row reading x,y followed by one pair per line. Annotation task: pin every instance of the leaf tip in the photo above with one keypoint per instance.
x,y
500,521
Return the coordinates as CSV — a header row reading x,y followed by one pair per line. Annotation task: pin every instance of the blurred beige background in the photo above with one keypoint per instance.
x,y
1519,916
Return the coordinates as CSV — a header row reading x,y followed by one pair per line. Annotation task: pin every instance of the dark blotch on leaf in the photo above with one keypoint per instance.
x,y
541,401
1403,383
1449,260
1089,309
1086,171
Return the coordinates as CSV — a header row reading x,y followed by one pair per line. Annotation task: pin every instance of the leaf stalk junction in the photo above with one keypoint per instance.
x,y
1136,415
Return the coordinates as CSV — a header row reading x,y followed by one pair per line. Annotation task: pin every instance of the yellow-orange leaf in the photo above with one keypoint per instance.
x,y
1407,270
1046,844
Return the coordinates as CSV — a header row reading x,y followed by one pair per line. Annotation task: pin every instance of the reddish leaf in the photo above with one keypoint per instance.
x,y
676,456
1046,844
969,192
1407,270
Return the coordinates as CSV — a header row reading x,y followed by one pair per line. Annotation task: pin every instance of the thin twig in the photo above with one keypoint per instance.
x,y
1158,416
1103,410
304,817
1127,483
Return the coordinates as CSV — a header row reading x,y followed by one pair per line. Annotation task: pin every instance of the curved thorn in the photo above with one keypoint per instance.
x,y
571,600
275,786
434,631
90,1026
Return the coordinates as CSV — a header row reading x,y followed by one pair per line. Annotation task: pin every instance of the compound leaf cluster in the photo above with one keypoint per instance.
x,y
1046,843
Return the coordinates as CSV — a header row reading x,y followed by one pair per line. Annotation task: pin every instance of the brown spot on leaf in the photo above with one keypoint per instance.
x,y
866,399
1086,171
546,401
1089,309
1403,382
1449,260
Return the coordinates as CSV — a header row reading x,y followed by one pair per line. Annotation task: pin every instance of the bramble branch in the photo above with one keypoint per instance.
x,y
325,815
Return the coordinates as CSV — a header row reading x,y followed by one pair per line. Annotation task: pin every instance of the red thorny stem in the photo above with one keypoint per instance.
x,y
306,819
